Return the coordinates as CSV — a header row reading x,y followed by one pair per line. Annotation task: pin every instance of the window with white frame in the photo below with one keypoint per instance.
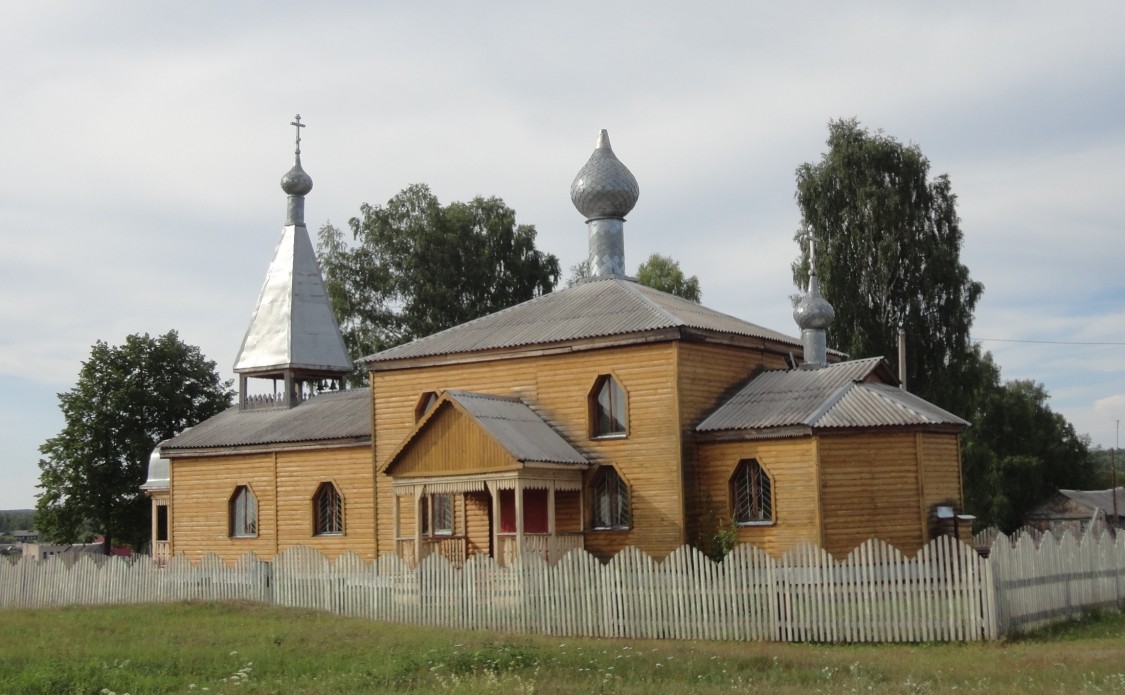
x,y
610,500
751,493
328,510
243,513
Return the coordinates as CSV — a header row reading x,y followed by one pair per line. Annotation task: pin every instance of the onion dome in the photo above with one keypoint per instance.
x,y
296,181
604,187
813,312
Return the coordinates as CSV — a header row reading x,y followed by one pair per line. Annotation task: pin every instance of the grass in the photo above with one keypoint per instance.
x,y
224,648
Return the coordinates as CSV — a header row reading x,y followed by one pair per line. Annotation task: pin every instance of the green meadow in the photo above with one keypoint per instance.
x,y
226,648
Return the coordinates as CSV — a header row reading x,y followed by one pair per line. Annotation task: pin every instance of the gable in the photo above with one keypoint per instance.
x,y
471,433
449,442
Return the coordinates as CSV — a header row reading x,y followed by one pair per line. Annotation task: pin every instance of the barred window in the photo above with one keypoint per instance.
x,y
752,494
608,408
328,510
243,512
610,500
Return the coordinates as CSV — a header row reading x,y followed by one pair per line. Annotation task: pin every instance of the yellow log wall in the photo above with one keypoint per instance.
x,y
791,465
202,486
871,488
706,375
558,387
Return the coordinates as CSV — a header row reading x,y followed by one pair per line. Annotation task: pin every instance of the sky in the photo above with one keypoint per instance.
x,y
143,144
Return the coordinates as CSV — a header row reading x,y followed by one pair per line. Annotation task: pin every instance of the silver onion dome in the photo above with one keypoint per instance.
x,y
604,187
296,181
813,315
813,312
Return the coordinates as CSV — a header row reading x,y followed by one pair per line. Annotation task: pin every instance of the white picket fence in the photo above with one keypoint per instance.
x,y
946,592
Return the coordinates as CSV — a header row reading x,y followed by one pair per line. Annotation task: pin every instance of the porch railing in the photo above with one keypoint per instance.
x,y
454,548
549,547
160,553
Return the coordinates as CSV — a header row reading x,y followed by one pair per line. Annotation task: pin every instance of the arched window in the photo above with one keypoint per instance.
x,y
328,510
610,500
608,408
751,493
243,511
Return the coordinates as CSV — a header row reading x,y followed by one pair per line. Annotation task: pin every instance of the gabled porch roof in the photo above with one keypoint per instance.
x,y
475,434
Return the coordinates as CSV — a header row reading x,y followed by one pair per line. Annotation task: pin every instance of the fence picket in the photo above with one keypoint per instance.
x,y
946,591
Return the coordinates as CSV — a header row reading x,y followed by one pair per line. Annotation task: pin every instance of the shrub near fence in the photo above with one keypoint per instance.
x,y
946,592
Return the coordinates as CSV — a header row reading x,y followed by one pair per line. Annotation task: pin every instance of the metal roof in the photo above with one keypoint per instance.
x,y
846,394
329,416
597,308
1096,499
158,477
293,326
516,427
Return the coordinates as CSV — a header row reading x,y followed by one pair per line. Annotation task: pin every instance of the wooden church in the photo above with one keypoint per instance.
x,y
600,416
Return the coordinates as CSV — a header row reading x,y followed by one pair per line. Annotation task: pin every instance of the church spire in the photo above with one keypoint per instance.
x,y
605,191
293,335
813,315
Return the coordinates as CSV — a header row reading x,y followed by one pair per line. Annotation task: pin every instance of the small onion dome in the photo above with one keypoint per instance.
x,y
604,187
296,181
813,312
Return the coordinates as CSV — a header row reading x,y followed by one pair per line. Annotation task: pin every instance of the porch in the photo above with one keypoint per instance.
x,y
501,515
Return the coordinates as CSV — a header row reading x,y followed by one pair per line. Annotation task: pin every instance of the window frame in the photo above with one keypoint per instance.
x,y
618,501
335,498
617,410
244,501
429,511
425,404
750,475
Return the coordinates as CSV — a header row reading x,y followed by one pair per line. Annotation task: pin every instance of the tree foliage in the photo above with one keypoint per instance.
x,y
663,273
888,254
1019,452
419,267
127,399
889,244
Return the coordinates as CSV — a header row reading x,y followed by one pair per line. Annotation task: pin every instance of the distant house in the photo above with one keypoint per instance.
x,y
25,536
604,415
1074,510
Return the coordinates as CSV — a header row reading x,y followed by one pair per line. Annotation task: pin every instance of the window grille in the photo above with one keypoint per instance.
x,y
328,510
611,500
752,494
437,515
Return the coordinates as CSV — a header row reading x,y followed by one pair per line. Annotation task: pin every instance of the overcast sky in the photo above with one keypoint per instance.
x,y
143,144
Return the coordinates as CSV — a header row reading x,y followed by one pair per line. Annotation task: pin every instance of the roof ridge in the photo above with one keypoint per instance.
x,y
648,301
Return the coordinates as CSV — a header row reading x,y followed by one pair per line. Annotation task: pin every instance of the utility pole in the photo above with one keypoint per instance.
x,y
1113,469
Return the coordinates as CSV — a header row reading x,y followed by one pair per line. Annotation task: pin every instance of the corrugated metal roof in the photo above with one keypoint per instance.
x,y
517,428
846,394
597,308
339,415
1097,499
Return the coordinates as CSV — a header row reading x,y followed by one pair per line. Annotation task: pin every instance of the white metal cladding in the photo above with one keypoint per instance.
x,y
597,308
293,325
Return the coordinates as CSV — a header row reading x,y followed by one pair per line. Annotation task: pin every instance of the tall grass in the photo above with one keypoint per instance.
x,y
224,648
